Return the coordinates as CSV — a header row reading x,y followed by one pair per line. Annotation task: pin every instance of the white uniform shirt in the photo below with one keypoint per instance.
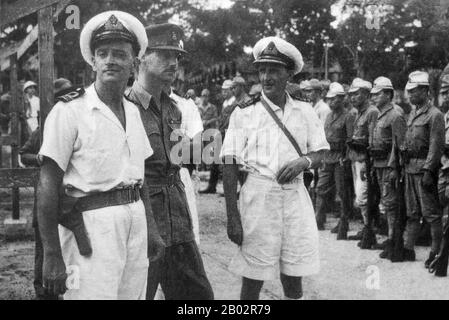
x,y
191,123
88,142
322,110
254,138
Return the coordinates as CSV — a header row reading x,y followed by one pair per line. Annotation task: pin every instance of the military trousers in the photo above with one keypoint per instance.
x,y
332,178
389,204
421,203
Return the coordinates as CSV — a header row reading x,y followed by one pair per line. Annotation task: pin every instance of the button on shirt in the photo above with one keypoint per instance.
x,y
254,138
88,142
388,135
425,133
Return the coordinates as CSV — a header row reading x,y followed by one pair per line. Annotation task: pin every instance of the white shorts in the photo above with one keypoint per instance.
x,y
279,231
118,267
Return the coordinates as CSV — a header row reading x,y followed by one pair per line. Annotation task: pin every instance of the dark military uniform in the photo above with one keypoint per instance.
x,y
443,178
364,124
424,143
181,272
338,128
388,136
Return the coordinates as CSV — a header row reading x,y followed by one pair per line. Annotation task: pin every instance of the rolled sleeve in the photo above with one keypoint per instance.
x,y
236,137
316,137
59,135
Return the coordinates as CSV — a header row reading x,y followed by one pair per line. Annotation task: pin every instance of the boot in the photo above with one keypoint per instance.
x,y
358,236
381,246
386,253
208,190
429,259
335,229
368,238
382,228
343,228
409,255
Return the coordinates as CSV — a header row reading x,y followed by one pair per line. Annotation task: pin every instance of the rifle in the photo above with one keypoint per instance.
x,y
368,237
399,222
439,264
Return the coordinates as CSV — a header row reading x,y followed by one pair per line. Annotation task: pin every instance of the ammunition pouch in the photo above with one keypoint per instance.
x,y
379,153
337,146
414,154
358,146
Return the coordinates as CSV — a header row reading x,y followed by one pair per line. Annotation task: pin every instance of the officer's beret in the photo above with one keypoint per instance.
x,y
335,89
444,84
277,50
358,84
112,25
416,79
382,83
165,36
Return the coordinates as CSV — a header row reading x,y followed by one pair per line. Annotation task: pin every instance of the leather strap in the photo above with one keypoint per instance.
x,y
282,127
108,199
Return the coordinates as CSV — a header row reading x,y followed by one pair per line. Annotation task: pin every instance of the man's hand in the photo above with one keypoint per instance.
x,y
156,247
291,170
427,181
235,230
54,275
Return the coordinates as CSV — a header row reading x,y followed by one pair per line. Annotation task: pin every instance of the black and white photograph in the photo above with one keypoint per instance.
x,y
231,150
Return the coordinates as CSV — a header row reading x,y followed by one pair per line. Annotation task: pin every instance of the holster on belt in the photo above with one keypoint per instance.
x,y
358,146
71,218
71,210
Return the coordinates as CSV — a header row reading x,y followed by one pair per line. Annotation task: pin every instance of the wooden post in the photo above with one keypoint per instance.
x,y
15,109
46,63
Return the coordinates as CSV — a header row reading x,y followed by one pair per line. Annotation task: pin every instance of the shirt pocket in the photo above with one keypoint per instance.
x,y
420,135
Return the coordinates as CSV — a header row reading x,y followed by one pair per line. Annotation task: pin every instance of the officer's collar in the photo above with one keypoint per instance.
x,y
423,109
142,95
275,107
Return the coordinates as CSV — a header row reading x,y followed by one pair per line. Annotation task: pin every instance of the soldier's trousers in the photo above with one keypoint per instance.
x,y
361,188
443,184
421,203
332,177
180,273
389,204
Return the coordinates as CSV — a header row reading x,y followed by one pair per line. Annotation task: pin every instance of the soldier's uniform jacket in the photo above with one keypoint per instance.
x,y
226,113
388,136
339,129
167,195
445,157
424,140
363,126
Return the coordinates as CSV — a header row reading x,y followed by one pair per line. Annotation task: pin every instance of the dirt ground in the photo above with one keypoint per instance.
x,y
346,271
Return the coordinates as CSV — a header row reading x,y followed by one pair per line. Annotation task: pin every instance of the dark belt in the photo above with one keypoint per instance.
x,y
379,154
357,146
337,146
110,198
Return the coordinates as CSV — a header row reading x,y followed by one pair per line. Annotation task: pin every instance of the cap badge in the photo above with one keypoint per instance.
x,y
113,24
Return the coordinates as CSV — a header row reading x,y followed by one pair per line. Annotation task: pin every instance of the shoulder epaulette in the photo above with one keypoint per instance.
x,y
250,102
72,95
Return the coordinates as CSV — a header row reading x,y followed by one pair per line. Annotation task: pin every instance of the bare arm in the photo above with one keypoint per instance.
x,y
230,179
54,270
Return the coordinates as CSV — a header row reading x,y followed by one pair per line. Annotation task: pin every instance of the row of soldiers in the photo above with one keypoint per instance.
x,y
398,162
